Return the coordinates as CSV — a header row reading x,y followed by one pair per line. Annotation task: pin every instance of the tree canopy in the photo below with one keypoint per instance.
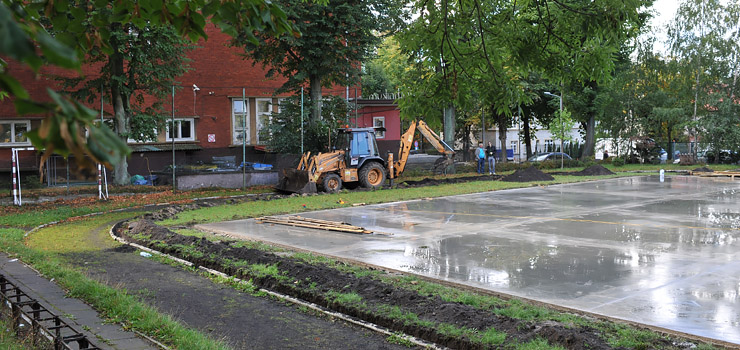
x,y
337,36
24,38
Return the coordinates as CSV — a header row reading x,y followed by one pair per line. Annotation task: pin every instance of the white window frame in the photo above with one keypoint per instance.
x,y
260,115
513,145
379,134
13,132
549,145
238,129
179,137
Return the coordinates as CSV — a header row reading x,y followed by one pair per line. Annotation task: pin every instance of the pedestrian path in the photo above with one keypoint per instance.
x,y
76,313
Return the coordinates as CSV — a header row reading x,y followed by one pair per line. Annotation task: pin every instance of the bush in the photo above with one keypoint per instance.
x,y
618,161
31,181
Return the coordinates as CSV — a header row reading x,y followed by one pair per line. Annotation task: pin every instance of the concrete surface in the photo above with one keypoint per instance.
x,y
76,313
665,254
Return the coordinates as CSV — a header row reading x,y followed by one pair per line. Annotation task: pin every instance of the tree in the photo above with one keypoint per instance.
x,y
560,128
491,47
144,62
697,39
284,126
337,36
384,73
24,38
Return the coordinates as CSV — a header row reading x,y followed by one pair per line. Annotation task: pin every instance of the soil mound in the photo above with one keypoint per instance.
x,y
527,175
594,170
703,170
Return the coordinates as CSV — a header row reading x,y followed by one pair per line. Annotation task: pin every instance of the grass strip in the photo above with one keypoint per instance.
x,y
298,204
114,304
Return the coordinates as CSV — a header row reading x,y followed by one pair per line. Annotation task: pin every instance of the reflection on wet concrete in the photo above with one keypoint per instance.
x,y
665,254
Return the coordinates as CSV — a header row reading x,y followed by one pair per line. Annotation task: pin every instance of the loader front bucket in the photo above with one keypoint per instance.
x,y
295,181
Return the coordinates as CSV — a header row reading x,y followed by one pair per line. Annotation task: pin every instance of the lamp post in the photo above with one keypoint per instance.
x,y
561,125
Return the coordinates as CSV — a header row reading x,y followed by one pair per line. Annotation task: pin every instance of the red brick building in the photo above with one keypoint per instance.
x,y
224,99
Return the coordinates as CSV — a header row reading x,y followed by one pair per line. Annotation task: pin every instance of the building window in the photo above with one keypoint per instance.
x,y
379,122
240,121
14,132
264,116
513,146
549,145
184,130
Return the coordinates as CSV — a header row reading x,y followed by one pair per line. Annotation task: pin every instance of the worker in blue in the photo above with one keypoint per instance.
x,y
480,153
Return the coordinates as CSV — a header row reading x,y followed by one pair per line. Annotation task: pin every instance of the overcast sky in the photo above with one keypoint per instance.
x,y
665,10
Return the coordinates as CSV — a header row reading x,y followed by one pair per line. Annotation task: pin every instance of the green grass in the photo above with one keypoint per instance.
x,y
631,338
66,237
538,344
349,299
328,201
8,339
397,338
114,304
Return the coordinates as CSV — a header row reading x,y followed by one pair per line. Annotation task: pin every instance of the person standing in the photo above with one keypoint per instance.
x,y
606,155
491,153
480,153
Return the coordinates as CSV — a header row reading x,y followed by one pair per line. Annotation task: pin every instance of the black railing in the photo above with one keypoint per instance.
x,y
34,323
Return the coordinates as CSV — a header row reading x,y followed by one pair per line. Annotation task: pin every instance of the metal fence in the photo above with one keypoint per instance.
x,y
37,325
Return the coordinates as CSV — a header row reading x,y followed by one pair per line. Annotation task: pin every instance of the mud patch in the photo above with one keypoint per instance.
x,y
594,170
527,175
703,170
455,180
314,282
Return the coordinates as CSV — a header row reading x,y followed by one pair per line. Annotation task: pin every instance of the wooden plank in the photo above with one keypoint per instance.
x,y
298,221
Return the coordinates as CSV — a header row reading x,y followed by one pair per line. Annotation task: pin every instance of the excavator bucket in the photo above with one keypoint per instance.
x,y
295,181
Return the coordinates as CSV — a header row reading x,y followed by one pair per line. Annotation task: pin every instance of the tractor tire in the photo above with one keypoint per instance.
x,y
372,175
331,183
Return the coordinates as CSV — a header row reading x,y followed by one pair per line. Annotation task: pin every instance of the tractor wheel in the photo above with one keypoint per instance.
x,y
372,175
332,183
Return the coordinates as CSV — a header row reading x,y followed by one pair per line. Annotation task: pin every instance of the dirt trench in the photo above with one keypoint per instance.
x,y
311,282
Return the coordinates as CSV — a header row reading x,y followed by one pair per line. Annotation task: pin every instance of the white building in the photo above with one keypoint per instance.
x,y
542,140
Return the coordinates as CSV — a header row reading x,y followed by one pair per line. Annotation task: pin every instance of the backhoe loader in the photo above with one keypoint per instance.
x,y
356,161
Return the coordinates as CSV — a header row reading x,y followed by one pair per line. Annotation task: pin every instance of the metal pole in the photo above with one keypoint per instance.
x,y
100,187
172,129
562,130
244,138
356,106
301,119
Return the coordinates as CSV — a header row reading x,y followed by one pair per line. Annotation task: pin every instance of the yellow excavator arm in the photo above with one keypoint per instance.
x,y
407,139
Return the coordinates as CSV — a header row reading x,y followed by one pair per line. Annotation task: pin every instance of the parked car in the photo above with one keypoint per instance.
x,y
549,156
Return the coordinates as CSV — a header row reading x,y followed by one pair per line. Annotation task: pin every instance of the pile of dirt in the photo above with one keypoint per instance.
x,y
527,175
703,170
594,170
450,180
313,282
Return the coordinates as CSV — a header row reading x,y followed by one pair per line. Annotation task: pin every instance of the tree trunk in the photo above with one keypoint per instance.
x,y
120,106
527,136
501,120
315,94
588,148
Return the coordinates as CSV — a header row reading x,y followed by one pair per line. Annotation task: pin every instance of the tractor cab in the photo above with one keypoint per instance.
x,y
359,145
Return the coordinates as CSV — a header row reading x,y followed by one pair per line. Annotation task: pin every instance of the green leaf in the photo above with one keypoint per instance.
x,y
14,42
25,106
12,86
56,52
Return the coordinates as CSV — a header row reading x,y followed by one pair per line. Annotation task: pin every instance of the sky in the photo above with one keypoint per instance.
x,y
665,10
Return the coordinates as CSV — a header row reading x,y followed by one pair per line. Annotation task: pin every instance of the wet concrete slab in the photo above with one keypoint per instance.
x,y
660,253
